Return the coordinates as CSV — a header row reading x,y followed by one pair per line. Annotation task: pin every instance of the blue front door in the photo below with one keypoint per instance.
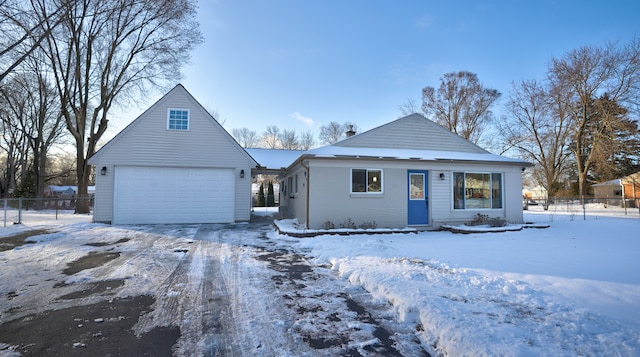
x,y
418,197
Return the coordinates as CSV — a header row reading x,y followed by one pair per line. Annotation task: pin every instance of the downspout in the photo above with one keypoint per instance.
x,y
307,181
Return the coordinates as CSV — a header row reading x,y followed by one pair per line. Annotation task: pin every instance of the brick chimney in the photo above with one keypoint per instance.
x,y
350,132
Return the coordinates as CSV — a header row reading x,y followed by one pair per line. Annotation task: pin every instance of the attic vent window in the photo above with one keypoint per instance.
x,y
178,119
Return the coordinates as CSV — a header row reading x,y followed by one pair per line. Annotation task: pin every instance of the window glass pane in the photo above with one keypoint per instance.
x,y
458,190
178,119
416,182
477,191
496,190
374,181
358,180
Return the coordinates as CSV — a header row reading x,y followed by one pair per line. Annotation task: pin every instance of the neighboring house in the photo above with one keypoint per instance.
x,y
409,172
535,193
173,164
618,190
54,190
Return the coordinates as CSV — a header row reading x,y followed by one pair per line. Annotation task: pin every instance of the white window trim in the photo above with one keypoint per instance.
x,y
490,173
366,193
182,110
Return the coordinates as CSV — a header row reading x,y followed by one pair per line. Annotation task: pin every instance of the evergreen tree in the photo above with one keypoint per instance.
x,y
261,200
270,198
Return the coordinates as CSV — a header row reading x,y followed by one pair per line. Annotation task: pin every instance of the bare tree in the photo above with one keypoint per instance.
x,y
289,140
411,106
271,137
589,73
538,126
307,140
14,142
245,137
334,132
461,104
21,36
37,111
105,52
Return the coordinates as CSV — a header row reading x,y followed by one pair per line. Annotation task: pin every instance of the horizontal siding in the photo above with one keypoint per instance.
x,y
331,199
412,132
147,142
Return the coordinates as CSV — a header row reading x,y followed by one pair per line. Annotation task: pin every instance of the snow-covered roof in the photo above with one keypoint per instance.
x,y
274,158
616,182
332,151
74,189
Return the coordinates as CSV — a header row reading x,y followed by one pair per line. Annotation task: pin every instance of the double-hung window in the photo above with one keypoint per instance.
x,y
477,190
366,181
178,119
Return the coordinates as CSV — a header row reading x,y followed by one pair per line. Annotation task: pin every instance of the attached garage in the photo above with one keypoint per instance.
x,y
173,195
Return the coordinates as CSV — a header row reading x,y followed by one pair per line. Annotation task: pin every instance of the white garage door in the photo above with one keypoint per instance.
x,y
173,195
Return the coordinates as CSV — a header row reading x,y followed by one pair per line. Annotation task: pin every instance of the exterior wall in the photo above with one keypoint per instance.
x,y
293,203
147,142
332,201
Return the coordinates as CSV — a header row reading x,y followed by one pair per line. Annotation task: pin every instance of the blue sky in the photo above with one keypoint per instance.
x,y
302,64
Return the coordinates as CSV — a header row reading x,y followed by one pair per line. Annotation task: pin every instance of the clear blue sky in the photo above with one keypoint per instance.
x,y
302,64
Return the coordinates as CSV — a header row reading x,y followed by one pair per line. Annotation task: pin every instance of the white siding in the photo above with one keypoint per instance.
x,y
331,199
148,142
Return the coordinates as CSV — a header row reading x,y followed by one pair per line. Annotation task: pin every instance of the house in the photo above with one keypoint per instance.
x,y
176,164
54,191
409,172
173,164
616,192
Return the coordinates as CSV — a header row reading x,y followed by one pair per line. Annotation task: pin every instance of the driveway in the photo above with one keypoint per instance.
x,y
197,290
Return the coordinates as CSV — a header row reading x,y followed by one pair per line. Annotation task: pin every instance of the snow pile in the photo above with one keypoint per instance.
x,y
571,289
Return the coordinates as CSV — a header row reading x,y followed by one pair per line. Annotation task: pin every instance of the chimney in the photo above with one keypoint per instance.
x,y
350,132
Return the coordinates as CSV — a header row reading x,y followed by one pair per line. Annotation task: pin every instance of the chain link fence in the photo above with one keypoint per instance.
x,y
37,211
586,206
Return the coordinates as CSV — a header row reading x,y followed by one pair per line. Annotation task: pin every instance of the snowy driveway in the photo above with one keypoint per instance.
x,y
200,290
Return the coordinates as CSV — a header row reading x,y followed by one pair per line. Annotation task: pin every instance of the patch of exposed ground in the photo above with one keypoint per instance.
x,y
295,273
91,289
92,260
8,243
100,329
102,244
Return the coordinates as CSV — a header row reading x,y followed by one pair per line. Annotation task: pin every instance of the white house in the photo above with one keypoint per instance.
x,y
409,172
173,164
176,164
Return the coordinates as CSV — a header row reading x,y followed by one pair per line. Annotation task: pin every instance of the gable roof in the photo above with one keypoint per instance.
x,y
412,132
412,137
177,91
630,179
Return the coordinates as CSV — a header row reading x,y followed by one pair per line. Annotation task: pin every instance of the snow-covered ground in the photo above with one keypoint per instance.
x,y
570,289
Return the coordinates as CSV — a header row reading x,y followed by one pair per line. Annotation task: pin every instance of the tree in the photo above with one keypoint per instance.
x,y
105,52
461,104
34,104
411,106
307,140
584,75
289,140
20,37
538,127
245,137
271,137
334,132
261,198
270,195
620,141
